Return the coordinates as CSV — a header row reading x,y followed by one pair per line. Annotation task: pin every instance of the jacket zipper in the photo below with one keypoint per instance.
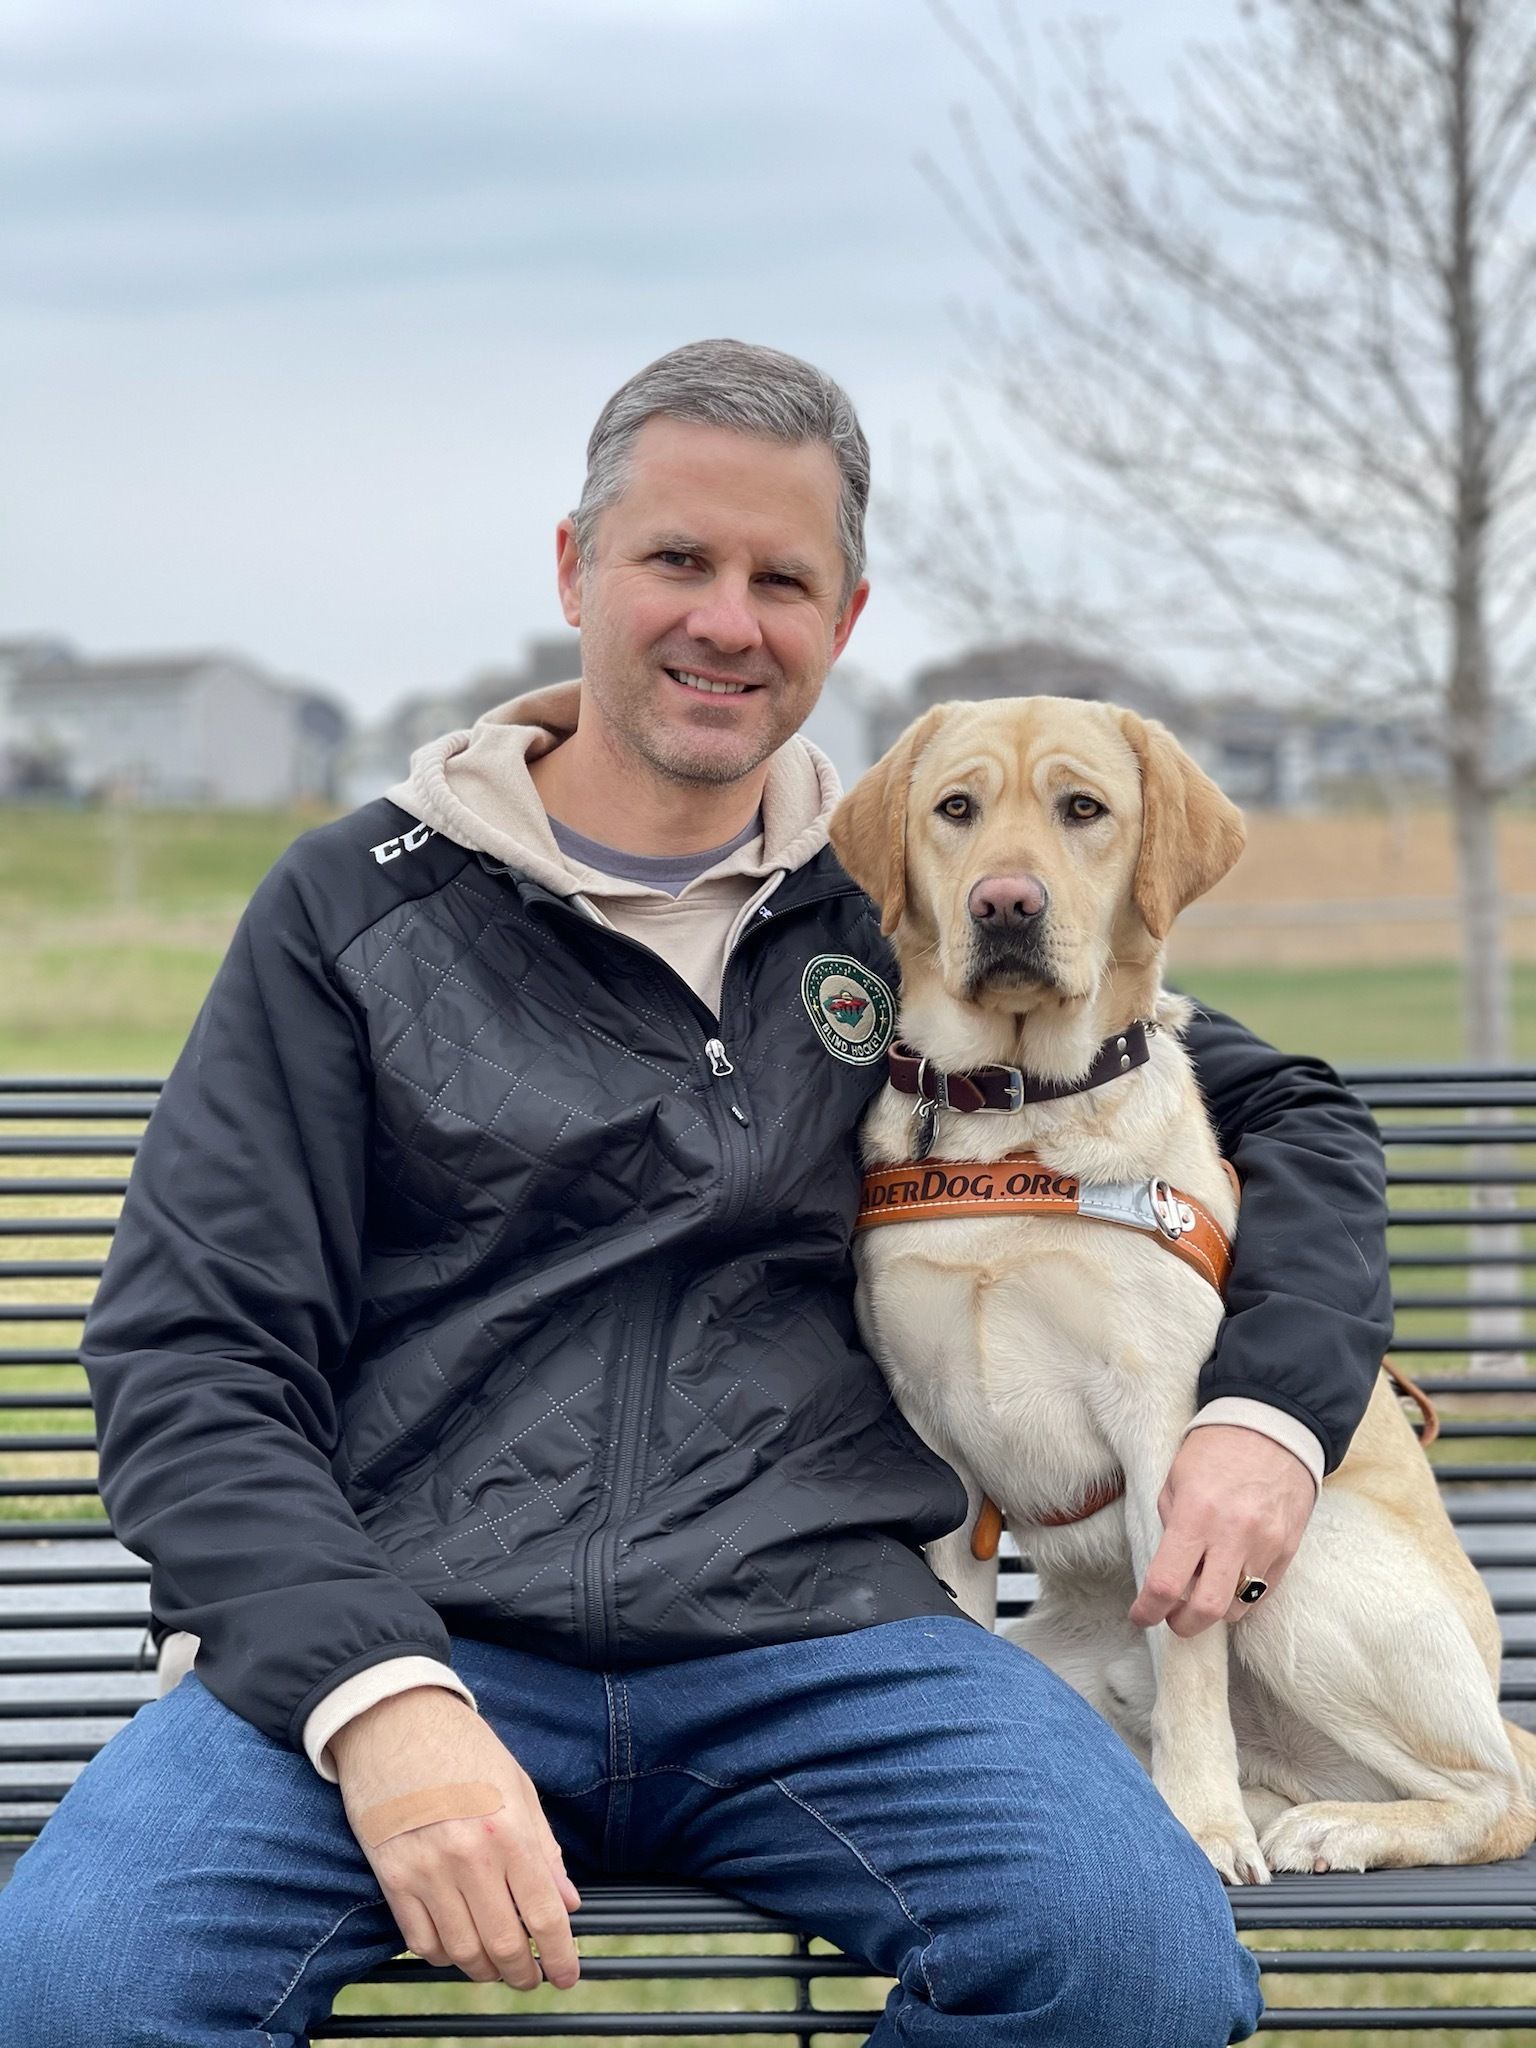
x,y
635,1397
635,1402
602,1541
716,1051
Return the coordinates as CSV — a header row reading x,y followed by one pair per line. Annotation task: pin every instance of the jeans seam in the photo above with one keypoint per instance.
x,y
575,1791
683,1771
656,1771
621,1760
736,1785
880,1878
305,1960
628,1736
613,1731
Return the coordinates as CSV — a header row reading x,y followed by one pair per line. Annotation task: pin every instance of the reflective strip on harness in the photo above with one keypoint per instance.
x,y
1019,1185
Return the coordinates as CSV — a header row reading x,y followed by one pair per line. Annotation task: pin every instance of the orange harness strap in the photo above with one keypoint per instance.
x,y
1019,1185
1417,1395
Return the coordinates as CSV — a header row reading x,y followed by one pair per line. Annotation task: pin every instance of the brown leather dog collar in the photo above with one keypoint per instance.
x,y
1009,1088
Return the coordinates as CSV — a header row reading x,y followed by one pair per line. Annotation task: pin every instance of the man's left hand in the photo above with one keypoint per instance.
x,y
1235,1502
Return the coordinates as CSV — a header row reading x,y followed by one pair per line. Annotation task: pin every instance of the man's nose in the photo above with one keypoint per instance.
x,y
1007,899
726,618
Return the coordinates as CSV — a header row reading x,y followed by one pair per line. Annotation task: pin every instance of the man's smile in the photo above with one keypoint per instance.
x,y
711,686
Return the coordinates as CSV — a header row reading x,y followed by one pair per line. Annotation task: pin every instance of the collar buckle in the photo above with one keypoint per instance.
x,y
927,1091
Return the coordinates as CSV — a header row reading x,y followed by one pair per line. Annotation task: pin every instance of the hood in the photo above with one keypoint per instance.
x,y
474,787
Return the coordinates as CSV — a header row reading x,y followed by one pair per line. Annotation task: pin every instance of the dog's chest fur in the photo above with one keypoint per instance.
x,y
1032,1350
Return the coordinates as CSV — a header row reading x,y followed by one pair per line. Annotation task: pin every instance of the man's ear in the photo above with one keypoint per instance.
x,y
848,618
869,826
568,567
1190,833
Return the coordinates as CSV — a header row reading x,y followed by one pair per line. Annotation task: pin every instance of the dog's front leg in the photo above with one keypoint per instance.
x,y
1194,1751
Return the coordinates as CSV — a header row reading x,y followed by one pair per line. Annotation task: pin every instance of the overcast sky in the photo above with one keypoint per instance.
x,y
307,306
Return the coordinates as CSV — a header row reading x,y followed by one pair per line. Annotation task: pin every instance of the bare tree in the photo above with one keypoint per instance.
x,y
1276,352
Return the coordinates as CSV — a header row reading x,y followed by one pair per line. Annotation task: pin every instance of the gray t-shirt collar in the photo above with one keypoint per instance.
x,y
669,872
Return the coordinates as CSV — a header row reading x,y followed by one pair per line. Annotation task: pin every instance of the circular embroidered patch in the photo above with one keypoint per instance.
x,y
853,1010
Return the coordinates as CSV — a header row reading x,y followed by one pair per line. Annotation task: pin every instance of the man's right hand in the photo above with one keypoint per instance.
x,y
467,1892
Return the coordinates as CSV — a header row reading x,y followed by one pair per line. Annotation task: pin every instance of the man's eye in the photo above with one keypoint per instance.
x,y
674,558
961,808
1080,809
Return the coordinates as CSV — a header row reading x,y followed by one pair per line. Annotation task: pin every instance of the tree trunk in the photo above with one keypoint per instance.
x,y
1485,985
1469,709
1496,1329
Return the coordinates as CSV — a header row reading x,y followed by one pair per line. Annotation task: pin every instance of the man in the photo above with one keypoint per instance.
x,y
476,1367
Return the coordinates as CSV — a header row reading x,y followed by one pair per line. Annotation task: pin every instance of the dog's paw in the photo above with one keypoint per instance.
x,y
1233,1847
1322,1836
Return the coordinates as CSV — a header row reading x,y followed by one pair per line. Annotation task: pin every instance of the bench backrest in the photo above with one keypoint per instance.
x,y
74,1660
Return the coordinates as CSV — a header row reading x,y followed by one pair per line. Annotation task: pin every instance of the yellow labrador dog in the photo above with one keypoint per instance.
x,y
1029,856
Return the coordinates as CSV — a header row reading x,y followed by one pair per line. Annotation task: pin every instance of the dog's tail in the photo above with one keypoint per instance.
x,y
1523,1743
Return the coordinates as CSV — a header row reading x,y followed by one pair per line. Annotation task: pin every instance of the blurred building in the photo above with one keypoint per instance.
x,y
197,728
1021,668
1262,751
33,771
380,755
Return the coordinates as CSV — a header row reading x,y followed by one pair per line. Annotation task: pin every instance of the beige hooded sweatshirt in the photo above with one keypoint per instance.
x,y
474,788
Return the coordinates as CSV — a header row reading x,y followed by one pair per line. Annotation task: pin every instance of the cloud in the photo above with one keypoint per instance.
x,y
173,152
307,306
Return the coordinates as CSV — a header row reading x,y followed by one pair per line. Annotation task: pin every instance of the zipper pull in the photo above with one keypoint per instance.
x,y
719,1065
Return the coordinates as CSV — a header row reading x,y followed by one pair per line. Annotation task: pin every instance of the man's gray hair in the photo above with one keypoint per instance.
x,y
750,390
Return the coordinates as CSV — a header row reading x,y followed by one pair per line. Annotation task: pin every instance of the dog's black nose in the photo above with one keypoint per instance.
x,y
1007,900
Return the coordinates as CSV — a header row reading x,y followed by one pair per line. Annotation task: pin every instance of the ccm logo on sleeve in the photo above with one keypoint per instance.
x,y
408,842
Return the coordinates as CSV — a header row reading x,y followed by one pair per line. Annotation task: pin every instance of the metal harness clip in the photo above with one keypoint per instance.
x,y
1175,1219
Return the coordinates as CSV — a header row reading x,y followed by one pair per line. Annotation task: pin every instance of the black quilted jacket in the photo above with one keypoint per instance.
x,y
475,1278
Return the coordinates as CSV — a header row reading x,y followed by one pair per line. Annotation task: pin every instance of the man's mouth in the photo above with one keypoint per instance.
x,y
709,686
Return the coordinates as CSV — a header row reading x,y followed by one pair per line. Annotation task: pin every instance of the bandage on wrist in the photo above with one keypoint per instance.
x,y
391,1817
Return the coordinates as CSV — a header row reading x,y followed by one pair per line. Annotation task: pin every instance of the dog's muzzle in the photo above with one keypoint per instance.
x,y
1009,956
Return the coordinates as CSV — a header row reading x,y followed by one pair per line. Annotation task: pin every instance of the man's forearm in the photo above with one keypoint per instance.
x,y
1233,1412
1309,1304
355,1696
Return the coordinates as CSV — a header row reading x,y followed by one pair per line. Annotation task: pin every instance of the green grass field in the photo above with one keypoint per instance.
x,y
111,926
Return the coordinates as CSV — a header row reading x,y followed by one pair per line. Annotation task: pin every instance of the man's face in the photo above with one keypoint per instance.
x,y
712,608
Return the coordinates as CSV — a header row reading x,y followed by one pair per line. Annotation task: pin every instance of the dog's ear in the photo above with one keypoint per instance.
x,y
1190,833
869,826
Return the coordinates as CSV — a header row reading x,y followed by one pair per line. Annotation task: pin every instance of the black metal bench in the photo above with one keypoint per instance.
x,y
74,1658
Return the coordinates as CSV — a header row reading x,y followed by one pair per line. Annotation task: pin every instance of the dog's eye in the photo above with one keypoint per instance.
x,y
1081,809
961,808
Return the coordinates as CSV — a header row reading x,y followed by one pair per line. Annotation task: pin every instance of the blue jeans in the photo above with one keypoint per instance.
x,y
924,1794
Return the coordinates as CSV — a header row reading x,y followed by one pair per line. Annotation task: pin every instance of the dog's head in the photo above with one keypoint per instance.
x,y
1025,844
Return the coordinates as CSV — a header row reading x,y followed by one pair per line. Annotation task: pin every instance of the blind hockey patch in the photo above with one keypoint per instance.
x,y
852,1009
